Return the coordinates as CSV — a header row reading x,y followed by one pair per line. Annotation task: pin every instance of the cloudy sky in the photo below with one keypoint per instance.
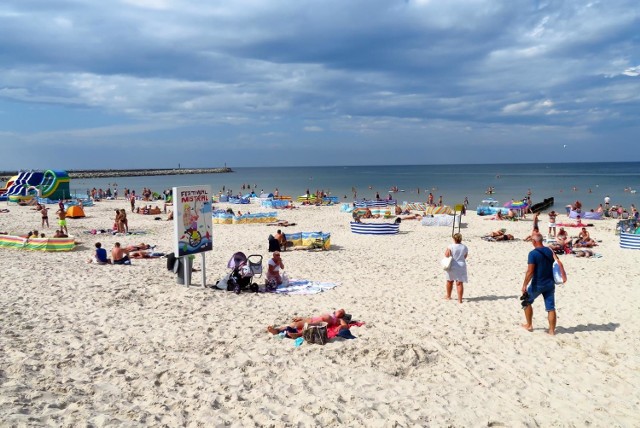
x,y
154,83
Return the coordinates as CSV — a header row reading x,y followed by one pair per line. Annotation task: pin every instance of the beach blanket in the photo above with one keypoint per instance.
x,y
587,215
283,223
334,330
303,286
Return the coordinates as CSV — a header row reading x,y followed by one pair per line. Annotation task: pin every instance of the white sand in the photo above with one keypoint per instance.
x,y
109,345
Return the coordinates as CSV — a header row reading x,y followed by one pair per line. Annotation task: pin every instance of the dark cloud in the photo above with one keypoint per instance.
x,y
332,74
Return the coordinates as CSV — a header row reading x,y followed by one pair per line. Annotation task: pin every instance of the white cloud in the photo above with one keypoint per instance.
x,y
313,129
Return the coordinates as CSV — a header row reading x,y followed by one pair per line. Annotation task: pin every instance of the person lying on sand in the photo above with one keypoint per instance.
x,y
411,217
143,254
138,247
583,253
294,329
499,235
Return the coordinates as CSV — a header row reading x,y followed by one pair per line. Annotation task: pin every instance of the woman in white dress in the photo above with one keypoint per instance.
x,y
458,270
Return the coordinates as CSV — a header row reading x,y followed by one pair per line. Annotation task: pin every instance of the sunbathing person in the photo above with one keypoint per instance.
x,y
505,237
143,254
60,234
499,215
583,253
294,329
533,232
562,237
282,240
411,217
497,233
138,247
584,240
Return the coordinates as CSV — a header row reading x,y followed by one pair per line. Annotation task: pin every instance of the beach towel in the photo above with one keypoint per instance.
x,y
303,286
335,330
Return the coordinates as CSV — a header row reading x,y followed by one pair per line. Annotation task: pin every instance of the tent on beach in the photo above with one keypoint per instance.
x,y
75,211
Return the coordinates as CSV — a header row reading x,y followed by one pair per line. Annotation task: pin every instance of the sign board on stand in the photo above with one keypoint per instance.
x,y
192,223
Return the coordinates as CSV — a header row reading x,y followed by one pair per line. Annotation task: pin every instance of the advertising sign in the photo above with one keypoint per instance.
x,y
192,220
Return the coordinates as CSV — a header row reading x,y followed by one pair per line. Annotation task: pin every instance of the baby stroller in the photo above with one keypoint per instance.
x,y
243,270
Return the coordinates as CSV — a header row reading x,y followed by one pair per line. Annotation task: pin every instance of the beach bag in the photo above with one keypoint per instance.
x,y
557,271
315,333
446,263
557,274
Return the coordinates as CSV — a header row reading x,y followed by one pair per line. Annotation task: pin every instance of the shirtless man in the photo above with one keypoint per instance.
x,y
60,234
294,329
45,215
584,240
62,220
119,256
282,240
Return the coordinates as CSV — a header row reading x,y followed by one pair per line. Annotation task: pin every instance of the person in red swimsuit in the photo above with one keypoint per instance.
x,y
294,329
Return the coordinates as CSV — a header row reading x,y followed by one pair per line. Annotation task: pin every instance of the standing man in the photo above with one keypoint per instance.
x,y
540,273
45,216
607,200
62,220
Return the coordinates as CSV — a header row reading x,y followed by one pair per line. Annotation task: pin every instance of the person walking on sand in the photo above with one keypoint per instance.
x,y
539,280
458,270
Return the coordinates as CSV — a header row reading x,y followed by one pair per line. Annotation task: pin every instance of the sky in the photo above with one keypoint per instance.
x,y
119,84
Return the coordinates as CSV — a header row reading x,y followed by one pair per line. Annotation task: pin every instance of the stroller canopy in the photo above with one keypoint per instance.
x,y
237,260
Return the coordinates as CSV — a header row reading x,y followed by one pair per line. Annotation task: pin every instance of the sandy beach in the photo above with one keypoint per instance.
x,y
84,344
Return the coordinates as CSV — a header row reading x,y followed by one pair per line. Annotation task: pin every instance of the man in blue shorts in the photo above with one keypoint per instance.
x,y
540,274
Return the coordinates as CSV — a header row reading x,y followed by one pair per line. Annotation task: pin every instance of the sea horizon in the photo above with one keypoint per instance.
x,y
588,182
194,167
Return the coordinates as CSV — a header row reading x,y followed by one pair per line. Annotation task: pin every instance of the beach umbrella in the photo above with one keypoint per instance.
x,y
516,205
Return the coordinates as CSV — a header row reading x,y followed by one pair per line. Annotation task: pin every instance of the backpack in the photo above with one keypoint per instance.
x,y
171,261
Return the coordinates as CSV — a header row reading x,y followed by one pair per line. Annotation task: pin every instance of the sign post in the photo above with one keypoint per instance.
x,y
192,224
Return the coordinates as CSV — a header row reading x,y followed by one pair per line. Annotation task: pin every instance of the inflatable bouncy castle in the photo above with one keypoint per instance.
x,y
51,184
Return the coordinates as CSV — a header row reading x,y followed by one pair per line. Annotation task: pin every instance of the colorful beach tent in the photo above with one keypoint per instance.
x,y
75,211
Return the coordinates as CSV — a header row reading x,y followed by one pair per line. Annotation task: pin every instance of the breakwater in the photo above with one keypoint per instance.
x,y
107,173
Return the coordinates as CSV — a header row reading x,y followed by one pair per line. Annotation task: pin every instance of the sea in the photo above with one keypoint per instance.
x,y
588,183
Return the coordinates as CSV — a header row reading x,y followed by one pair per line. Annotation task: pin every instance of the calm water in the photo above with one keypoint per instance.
x,y
587,182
